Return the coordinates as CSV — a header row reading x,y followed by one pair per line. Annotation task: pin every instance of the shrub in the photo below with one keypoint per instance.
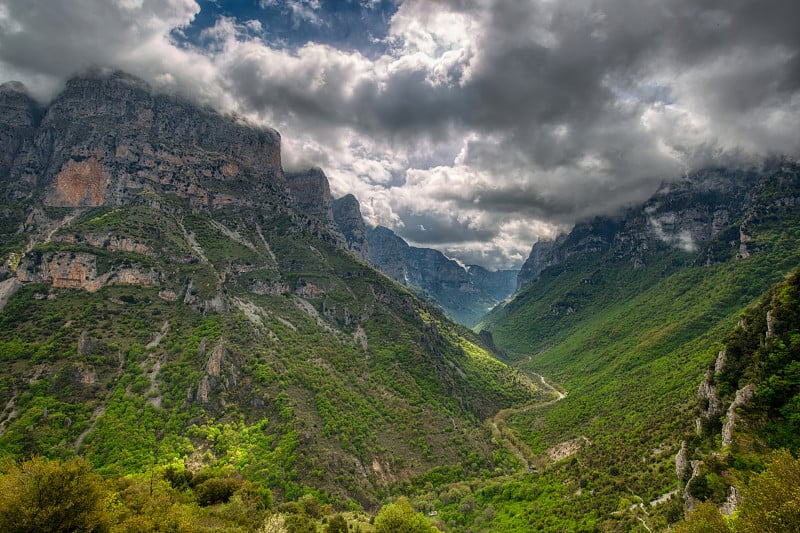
x,y
44,495
216,490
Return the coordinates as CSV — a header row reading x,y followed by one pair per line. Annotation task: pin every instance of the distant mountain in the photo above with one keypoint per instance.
x,y
466,294
627,313
168,295
682,215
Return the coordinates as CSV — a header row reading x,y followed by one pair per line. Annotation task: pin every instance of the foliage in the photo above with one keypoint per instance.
x,y
771,501
399,517
706,518
44,495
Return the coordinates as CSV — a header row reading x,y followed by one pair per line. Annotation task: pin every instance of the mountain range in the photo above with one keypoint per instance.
x,y
173,303
170,293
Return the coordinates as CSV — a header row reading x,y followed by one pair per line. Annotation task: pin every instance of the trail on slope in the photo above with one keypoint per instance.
x,y
506,436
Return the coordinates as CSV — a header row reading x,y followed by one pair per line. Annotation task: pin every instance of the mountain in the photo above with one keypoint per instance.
x,y
466,294
625,314
347,215
170,296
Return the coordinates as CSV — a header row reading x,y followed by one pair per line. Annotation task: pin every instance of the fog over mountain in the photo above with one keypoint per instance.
x,y
472,126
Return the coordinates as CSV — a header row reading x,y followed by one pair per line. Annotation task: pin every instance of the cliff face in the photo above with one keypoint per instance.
x,y
684,215
466,294
347,215
108,137
154,258
312,193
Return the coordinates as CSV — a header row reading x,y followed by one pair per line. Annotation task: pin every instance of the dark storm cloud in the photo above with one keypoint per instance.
x,y
482,121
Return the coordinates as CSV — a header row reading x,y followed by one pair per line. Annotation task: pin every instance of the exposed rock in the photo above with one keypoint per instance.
x,y
770,324
8,288
347,214
78,270
539,259
309,290
743,252
689,500
84,344
682,465
210,159
743,396
79,183
685,215
312,193
168,295
466,294
720,362
215,374
731,502
360,338
71,270
276,288
708,393
567,448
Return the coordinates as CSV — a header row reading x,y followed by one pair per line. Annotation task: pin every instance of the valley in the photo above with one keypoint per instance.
x,y
203,339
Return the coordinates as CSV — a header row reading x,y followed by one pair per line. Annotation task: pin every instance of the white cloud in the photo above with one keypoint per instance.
x,y
490,123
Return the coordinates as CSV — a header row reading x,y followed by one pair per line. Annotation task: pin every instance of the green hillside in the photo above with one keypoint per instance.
x,y
629,345
273,351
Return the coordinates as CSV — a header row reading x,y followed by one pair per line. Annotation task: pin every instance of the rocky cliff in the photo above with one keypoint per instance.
x,y
465,293
347,215
312,193
685,215
107,138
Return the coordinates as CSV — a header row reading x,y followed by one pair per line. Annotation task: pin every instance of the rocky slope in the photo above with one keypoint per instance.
x,y
685,215
626,313
169,294
465,294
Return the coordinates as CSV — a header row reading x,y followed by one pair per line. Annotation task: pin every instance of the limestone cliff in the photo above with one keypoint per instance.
x,y
465,293
107,137
312,193
347,215
684,215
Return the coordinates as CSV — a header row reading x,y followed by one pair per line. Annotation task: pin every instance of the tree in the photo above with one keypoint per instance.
x,y
336,524
44,495
706,518
400,518
771,502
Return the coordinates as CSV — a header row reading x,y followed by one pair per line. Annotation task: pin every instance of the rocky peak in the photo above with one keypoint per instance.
x,y
684,214
108,136
347,215
499,284
17,108
312,193
465,294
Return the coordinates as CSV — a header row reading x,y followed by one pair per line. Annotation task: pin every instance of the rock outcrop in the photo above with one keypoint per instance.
x,y
108,137
78,270
347,215
312,193
685,215
465,293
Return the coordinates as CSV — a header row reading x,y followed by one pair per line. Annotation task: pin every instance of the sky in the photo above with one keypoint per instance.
x,y
472,126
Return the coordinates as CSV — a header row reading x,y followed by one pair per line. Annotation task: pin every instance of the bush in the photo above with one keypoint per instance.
x,y
216,490
43,495
336,524
400,518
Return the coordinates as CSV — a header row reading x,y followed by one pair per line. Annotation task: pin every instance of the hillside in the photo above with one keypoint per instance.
x,y
625,313
465,294
166,299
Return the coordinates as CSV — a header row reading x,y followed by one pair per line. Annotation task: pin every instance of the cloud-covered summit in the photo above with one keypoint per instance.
x,y
473,126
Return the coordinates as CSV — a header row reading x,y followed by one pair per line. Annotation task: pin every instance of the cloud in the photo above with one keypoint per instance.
x,y
489,122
